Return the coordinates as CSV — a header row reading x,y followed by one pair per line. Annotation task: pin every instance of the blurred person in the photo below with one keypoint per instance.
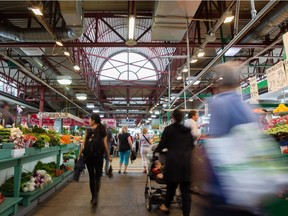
x,y
178,140
109,142
227,110
95,144
137,142
124,146
145,142
7,118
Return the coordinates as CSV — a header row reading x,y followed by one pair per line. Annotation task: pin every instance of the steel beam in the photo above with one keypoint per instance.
x,y
141,44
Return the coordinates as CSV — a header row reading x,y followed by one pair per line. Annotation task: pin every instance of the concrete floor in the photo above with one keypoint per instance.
x,y
122,195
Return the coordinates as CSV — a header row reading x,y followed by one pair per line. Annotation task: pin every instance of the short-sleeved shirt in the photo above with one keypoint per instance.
x,y
123,142
227,111
143,142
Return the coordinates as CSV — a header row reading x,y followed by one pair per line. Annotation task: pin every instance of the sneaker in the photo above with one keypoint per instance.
x,y
119,171
125,172
145,171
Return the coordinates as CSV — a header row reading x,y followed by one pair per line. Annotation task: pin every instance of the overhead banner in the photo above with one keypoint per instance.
x,y
276,77
253,90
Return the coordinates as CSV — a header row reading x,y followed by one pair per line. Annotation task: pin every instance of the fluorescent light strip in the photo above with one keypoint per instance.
x,y
36,11
131,27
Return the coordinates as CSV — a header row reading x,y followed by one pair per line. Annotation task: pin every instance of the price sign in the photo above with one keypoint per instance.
x,y
285,63
276,77
253,90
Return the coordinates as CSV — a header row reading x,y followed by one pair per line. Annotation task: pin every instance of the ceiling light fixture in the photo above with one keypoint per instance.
x,y
76,67
153,116
36,10
66,53
64,80
59,43
185,69
190,99
95,111
193,60
131,27
101,115
81,96
229,17
179,77
201,53
90,105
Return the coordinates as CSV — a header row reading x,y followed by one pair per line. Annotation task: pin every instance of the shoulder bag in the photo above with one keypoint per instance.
x,y
147,139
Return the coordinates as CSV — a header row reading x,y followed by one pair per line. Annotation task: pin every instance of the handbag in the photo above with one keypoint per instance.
x,y
78,168
133,156
248,165
110,172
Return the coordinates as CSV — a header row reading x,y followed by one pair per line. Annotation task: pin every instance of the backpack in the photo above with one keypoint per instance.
x,y
94,145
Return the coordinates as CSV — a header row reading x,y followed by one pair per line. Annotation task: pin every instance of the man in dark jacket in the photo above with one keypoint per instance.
x,y
6,115
179,142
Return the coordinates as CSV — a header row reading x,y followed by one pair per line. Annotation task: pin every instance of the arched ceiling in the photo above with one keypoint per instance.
x,y
95,31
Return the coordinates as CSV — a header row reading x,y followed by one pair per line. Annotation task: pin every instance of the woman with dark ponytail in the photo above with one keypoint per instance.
x,y
95,143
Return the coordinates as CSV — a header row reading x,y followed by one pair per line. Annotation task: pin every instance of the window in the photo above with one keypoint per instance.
x,y
128,66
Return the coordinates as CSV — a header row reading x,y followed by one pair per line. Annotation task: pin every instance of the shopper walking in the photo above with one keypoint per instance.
x,y
178,140
227,111
124,145
145,142
7,118
109,142
191,123
95,144
137,143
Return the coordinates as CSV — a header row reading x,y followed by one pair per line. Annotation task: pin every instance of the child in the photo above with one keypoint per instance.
x,y
158,169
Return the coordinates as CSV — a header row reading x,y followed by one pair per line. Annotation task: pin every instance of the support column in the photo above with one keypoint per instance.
x,y
41,106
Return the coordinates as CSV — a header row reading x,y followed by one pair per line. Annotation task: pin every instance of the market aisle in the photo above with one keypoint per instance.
x,y
120,195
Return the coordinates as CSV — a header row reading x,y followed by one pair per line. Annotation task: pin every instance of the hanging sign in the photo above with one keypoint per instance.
x,y
276,77
285,42
253,90
285,63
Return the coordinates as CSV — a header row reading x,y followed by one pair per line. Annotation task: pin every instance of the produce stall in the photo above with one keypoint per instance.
x,y
20,194
22,146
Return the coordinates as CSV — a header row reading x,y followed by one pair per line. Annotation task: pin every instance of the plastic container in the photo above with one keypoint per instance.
x,y
18,152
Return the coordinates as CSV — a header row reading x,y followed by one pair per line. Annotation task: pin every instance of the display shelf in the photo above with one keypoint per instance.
x,y
280,113
9,206
5,153
18,162
8,145
28,197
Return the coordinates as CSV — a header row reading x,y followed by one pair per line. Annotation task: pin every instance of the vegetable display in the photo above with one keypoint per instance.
x,y
39,179
5,135
8,186
2,198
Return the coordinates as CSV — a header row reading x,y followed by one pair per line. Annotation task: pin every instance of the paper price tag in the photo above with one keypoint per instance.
x,y
276,77
253,90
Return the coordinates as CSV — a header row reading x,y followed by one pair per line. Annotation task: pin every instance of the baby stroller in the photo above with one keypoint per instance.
x,y
155,188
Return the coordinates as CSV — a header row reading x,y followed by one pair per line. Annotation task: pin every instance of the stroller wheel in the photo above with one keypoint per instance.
x,y
148,199
148,202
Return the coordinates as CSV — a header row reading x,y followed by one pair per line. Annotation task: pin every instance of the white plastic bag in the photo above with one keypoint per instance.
x,y
248,164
